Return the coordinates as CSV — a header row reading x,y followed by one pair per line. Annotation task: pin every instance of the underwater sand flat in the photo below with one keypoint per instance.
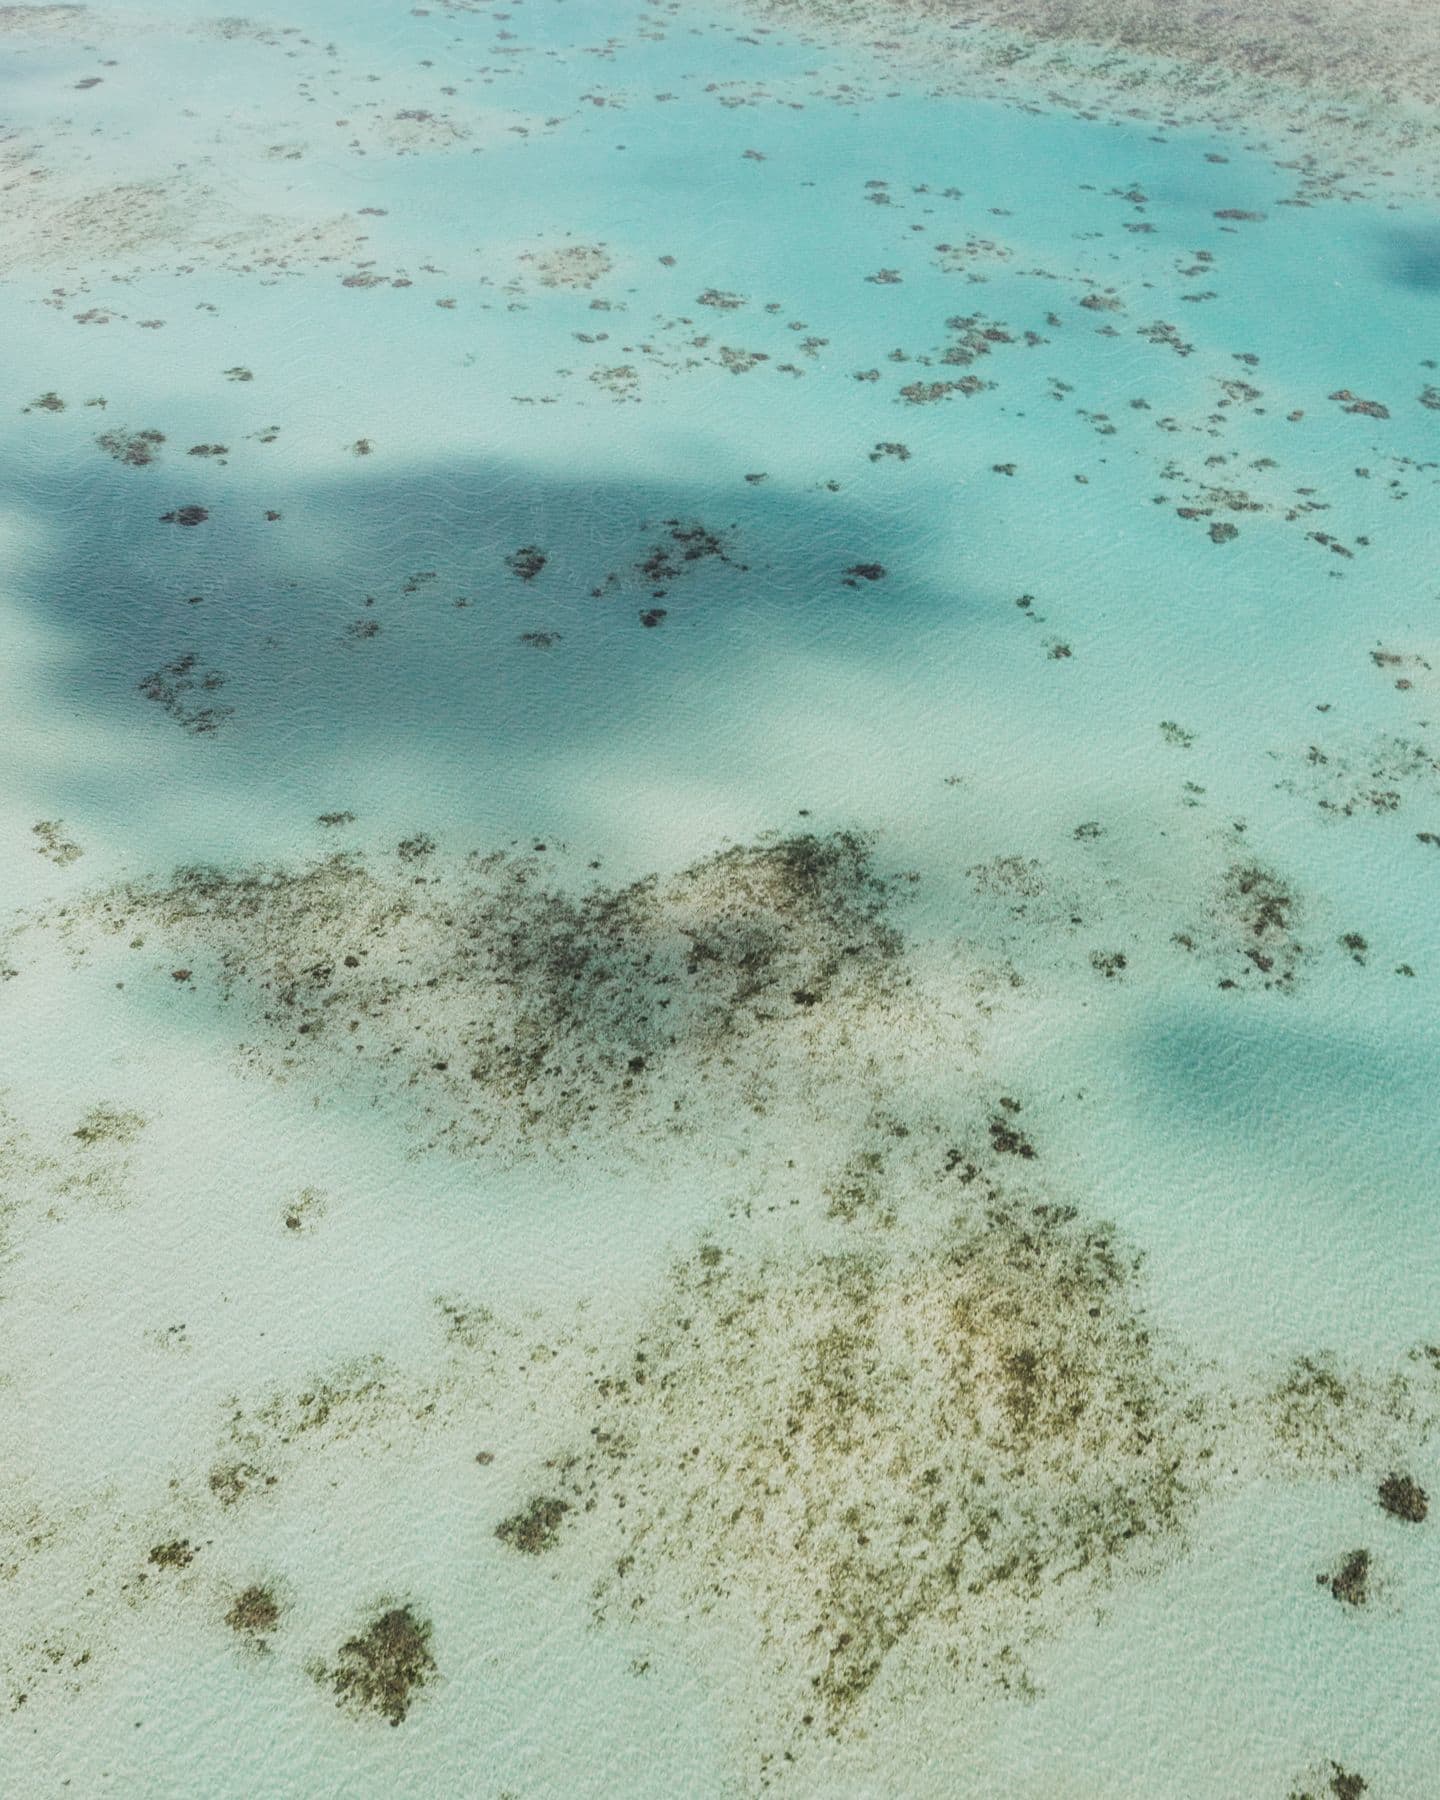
x,y
721,816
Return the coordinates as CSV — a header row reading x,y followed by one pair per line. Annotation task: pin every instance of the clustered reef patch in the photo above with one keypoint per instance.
x,y
179,1553
1190,55
90,1166
897,1455
891,1430
381,1667
1250,929
933,1420
133,448
1350,1583
1260,910
53,844
536,1528
518,1012
1334,1780
1368,779
254,1614
1403,1498
180,689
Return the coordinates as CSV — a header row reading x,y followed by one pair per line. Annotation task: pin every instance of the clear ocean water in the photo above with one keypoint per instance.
x,y
975,552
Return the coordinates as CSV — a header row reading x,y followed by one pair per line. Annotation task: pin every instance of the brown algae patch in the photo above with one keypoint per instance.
x,y
1350,1583
1250,930
262,1442
878,1468
518,1012
334,1407
89,1164
380,1669
135,449
1403,1498
178,1553
536,1528
1325,1417
570,265
53,844
1332,1782
254,1615
230,1482
305,1211
876,1445
867,1471
891,1459
109,1125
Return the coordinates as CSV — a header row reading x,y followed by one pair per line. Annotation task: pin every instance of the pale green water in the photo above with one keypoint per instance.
x,y
1174,722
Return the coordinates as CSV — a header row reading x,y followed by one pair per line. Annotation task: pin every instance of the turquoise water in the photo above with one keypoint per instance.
x,y
531,326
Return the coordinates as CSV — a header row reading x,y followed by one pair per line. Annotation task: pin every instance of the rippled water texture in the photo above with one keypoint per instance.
x,y
721,822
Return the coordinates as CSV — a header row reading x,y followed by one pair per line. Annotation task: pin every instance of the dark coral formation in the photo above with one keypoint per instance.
x,y
1403,1498
1339,1782
1350,1583
526,562
179,1553
1253,928
132,448
536,1528
180,689
254,1613
380,1669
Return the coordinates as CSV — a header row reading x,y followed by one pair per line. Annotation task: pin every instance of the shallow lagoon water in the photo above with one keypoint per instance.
x,y
522,354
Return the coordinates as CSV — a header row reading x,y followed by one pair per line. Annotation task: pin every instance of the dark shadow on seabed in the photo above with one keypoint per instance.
x,y
1412,257
344,656
1303,1104
390,616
